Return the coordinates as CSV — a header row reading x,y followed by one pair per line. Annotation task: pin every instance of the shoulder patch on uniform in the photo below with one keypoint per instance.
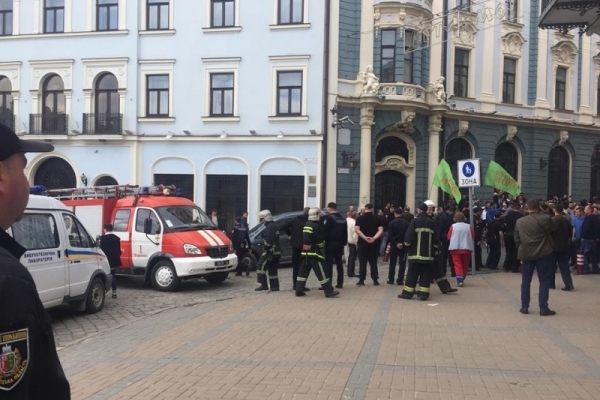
x,y
14,357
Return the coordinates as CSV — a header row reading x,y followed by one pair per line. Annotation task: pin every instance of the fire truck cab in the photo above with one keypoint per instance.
x,y
165,238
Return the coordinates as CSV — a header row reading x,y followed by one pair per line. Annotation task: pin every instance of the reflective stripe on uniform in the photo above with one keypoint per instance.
x,y
423,289
409,289
440,279
324,281
307,229
300,279
273,277
261,271
322,270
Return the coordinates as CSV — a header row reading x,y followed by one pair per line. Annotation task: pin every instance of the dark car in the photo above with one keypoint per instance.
x,y
283,222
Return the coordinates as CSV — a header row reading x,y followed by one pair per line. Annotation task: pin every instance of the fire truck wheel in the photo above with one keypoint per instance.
x,y
250,262
217,277
95,297
164,277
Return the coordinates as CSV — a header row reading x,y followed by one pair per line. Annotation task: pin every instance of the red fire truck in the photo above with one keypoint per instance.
x,y
164,237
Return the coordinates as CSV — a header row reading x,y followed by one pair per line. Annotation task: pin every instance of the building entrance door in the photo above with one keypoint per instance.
x,y
390,187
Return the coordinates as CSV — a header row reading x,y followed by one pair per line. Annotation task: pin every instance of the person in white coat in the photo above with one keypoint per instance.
x,y
352,240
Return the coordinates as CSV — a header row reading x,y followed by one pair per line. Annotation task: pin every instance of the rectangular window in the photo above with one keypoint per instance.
x,y
107,15
36,232
121,220
409,49
290,12
511,10
221,94
6,17
561,89
147,216
461,73
54,16
157,15
388,55
289,93
157,95
223,13
508,80
463,5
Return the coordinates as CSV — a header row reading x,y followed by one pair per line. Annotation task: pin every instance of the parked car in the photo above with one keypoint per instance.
x,y
283,222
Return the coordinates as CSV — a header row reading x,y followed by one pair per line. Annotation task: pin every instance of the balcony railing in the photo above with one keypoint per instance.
x,y
8,120
103,124
402,89
48,124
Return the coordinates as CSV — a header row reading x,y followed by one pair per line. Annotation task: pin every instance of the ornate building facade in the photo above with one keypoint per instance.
x,y
472,80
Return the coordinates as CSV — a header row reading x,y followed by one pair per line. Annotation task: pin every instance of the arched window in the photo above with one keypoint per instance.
x,y
106,181
457,149
559,172
6,103
107,118
389,146
54,119
55,173
507,156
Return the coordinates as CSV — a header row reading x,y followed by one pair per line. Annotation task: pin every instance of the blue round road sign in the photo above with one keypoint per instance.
x,y
468,169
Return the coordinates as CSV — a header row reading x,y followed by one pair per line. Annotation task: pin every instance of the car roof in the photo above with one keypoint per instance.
x,y
37,202
287,215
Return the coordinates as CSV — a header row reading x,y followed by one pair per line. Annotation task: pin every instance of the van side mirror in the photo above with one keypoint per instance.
x,y
158,230
148,226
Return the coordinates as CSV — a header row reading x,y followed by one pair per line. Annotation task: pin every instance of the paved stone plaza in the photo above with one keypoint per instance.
x,y
228,342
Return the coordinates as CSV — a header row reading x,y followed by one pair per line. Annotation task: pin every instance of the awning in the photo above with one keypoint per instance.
x,y
569,14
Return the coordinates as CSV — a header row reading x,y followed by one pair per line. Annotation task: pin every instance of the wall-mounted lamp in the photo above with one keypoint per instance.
x,y
84,180
169,135
520,116
280,136
223,135
543,163
313,132
75,132
252,132
452,105
350,160
187,132
492,112
127,131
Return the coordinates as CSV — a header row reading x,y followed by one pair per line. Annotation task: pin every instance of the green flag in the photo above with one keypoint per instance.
x,y
497,177
444,180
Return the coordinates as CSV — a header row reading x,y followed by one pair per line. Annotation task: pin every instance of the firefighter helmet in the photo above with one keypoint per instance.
x,y
314,214
266,215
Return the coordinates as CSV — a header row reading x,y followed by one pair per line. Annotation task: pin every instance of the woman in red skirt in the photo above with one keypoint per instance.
x,y
461,237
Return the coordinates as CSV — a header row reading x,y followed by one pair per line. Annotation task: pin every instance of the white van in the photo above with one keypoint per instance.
x,y
65,262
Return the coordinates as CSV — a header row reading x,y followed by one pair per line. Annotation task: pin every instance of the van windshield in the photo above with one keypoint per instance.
x,y
254,232
184,218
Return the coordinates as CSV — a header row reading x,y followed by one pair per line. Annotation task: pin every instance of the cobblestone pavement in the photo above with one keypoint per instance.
x,y
365,344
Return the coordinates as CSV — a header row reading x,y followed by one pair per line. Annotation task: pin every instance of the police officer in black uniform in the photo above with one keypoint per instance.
x,y
312,255
30,366
396,231
479,226
269,259
336,237
241,244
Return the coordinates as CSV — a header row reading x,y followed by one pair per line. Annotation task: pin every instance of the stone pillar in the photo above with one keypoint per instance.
x,y
16,17
367,121
435,127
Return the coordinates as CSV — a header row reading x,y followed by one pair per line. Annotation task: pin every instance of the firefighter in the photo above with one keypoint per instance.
x,y
241,244
312,255
422,241
439,269
269,259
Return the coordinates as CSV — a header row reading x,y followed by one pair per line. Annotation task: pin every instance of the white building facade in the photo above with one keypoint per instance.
x,y
223,98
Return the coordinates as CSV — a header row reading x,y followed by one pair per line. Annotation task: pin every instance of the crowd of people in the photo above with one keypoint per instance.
x,y
536,235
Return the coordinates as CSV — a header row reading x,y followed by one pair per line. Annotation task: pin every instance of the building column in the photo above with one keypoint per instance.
x,y
367,121
69,110
18,126
36,16
16,17
435,127
542,105
586,64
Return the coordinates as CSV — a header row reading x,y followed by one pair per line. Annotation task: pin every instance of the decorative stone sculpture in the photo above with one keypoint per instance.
x,y
463,127
406,124
370,81
438,90
512,132
564,137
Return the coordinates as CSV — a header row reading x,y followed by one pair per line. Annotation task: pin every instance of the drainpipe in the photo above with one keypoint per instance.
x,y
325,112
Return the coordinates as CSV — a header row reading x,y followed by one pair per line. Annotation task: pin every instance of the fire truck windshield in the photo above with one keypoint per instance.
x,y
182,218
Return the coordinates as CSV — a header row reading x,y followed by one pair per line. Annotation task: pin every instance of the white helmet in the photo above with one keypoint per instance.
x,y
430,203
266,215
315,214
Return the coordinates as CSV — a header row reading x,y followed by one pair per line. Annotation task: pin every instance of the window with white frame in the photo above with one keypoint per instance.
x,y
289,93
107,15
388,55
222,13
463,5
54,16
157,96
509,80
157,14
409,51
6,17
461,73
290,12
290,77
560,89
222,94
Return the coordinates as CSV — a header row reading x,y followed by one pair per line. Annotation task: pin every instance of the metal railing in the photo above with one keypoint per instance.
x,y
8,120
48,124
103,124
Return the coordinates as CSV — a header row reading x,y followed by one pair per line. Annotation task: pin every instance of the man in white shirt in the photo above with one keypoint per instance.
x,y
352,240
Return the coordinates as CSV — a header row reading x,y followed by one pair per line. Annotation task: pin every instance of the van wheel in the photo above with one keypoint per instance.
x,y
217,277
95,297
164,277
250,262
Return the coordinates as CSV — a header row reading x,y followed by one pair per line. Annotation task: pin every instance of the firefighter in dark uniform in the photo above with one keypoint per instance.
x,y
269,259
30,366
396,231
479,226
335,229
422,241
241,244
445,222
439,269
312,255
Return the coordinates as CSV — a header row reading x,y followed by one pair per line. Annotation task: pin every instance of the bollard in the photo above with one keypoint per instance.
x,y
386,255
580,259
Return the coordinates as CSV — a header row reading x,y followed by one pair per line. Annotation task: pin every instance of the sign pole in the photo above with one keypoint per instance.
x,y
472,223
